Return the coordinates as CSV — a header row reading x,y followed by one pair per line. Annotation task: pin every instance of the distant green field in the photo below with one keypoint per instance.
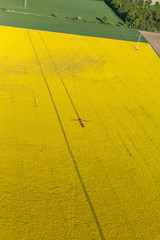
x,y
88,10
38,15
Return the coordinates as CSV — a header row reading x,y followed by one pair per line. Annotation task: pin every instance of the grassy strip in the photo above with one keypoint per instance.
x,y
68,26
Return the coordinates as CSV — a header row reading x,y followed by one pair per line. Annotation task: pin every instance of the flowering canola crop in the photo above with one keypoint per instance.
x,y
79,138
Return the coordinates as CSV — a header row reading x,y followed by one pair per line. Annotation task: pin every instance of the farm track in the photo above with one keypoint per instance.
x,y
27,13
153,39
60,180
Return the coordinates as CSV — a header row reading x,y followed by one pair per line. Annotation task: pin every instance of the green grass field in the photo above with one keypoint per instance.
x,y
88,10
38,15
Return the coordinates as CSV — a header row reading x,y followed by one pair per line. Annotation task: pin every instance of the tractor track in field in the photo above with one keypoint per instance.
x,y
27,13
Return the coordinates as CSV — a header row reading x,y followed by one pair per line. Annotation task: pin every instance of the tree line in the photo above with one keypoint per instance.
x,y
137,14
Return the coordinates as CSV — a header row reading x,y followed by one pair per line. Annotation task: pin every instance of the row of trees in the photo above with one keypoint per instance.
x,y
138,14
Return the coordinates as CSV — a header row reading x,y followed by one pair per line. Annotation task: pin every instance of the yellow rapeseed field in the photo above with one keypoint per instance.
x,y
60,179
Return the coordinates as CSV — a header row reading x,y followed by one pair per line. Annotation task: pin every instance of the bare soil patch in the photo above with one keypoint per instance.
x,y
153,39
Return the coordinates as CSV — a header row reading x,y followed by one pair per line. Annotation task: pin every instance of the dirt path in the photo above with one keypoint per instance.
x,y
26,13
153,39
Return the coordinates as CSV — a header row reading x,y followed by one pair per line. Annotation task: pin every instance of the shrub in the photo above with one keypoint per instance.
x,y
78,18
3,9
111,24
105,19
55,15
